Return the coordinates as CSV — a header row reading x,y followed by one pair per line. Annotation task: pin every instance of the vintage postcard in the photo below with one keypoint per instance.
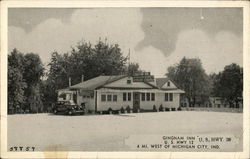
x,y
125,79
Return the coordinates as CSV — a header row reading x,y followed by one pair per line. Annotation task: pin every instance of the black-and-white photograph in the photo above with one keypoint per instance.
x,y
156,79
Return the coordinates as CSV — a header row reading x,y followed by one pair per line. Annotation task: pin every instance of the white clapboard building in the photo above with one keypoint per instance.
x,y
114,92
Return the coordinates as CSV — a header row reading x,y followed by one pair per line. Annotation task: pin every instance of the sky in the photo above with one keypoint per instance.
x,y
157,37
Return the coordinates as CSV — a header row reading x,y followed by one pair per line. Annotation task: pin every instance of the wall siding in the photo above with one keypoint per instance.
x,y
89,102
160,100
147,105
102,106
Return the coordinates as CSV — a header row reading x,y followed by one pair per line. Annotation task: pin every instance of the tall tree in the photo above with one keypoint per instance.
x,y
133,68
214,81
108,59
32,74
190,76
57,76
16,82
24,81
229,83
84,59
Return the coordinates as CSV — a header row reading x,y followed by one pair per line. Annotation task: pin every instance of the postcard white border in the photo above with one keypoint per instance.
x,y
141,3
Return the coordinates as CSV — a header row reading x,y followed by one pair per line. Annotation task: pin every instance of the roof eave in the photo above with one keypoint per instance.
x,y
110,82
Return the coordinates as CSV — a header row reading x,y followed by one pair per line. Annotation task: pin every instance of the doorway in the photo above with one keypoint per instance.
x,y
136,101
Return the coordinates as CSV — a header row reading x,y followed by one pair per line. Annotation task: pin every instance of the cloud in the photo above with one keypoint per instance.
x,y
215,52
153,60
120,26
163,25
149,36
29,18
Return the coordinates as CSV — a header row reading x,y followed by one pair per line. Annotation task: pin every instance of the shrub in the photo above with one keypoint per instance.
x,y
161,108
122,110
128,109
135,110
110,110
154,108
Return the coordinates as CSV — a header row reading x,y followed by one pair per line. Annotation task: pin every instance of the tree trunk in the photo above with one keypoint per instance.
x,y
189,102
194,101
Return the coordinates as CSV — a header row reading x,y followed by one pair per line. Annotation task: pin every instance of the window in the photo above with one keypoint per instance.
x,y
92,95
170,96
103,98
148,96
143,96
166,96
115,98
153,96
128,81
63,96
124,96
109,97
129,96
168,84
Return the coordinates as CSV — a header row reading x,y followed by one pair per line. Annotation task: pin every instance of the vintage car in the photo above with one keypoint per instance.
x,y
68,107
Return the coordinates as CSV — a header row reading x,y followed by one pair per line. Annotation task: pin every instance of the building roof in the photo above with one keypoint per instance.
x,y
134,85
161,81
110,82
94,83
64,89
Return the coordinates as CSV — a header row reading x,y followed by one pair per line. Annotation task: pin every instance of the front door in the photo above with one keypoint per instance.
x,y
136,100
75,97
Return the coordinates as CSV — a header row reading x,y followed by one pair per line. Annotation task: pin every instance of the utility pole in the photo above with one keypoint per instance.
x,y
129,61
69,81
129,57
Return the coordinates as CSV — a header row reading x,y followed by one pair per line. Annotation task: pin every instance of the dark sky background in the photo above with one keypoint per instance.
x,y
166,33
